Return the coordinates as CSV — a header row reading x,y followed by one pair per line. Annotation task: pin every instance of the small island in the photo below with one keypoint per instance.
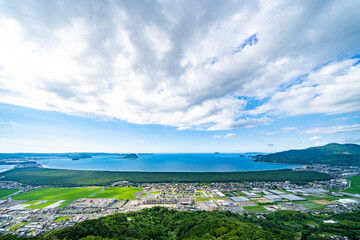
x,y
130,156
216,153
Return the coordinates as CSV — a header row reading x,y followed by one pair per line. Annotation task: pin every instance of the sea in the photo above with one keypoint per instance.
x,y
206,162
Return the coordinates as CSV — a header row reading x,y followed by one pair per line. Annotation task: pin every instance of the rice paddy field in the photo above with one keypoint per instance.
x,y
254,208
71,194
7,192
56,194
312,205
61,219
39,204
117,192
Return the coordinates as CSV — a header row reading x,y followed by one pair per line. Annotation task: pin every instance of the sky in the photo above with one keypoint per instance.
x,y
178,76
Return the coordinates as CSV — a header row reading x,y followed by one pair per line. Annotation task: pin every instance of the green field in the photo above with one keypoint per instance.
x,y
56,194
311,205
254,208
117,192
41,205
64,204
71,178
7,192
355,185
61,219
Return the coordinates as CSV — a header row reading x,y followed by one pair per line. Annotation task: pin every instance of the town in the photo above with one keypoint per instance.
x,y
34,210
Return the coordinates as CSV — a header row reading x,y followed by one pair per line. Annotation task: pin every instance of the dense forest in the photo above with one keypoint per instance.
x,y
71,178
331,154
160,223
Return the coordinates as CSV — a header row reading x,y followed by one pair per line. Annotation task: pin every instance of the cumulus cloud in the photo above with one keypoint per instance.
x,y
193,65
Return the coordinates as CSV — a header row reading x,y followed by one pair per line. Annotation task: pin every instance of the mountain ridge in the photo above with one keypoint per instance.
x,y
331,154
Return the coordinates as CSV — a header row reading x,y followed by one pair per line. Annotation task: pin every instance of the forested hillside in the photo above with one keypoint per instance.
x,y
332,154
160,223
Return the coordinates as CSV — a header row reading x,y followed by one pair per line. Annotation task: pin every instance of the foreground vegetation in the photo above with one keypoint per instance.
x,y
58,177
331,154
160,223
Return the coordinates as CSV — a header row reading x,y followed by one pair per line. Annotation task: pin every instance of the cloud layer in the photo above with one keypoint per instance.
x,y
197,65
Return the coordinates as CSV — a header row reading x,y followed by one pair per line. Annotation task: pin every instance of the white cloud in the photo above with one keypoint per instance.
x,y
333,89
190,65
288,129
314,138
334,129
228,135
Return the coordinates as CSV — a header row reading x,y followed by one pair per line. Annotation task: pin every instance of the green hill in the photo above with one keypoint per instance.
x,y
331,154
160,223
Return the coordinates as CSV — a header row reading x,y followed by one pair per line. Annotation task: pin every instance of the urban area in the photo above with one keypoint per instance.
x,y
33,210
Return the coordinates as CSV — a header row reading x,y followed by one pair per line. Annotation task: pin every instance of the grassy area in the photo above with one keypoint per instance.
x,y
118,193
32,202
56,194
61,219
64,204
7,192
41,205
13,227
324,197
60,177
355,185
200,199
311,205
254,208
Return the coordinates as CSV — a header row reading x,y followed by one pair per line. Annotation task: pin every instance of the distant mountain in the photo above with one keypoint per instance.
x,y
331,154
6,156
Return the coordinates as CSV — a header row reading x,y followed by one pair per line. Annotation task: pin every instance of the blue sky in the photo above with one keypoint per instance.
x,y
159,76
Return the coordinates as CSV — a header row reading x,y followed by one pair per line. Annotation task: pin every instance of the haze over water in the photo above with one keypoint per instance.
x,y
167,163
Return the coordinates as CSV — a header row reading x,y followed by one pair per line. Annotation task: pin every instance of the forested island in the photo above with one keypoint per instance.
x,y
330,154
130,156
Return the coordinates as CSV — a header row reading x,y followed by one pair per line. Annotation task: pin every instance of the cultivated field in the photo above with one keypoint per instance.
x,y
311,205
355,185
254,208
70,194
117,192
56,194
7,192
